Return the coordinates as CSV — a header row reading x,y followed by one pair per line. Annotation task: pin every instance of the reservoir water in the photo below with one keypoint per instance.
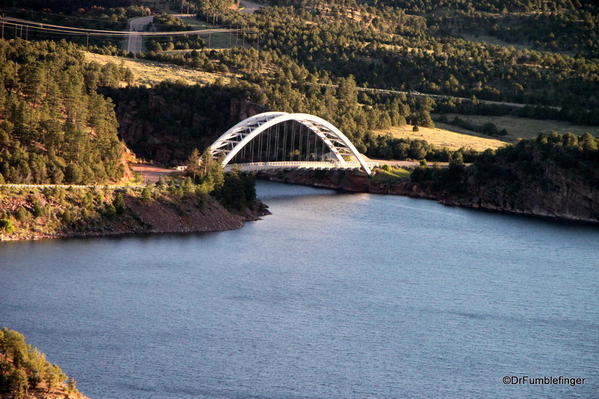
x,y
334,296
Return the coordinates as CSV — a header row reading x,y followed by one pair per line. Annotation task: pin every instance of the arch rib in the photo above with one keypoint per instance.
x,y
236,138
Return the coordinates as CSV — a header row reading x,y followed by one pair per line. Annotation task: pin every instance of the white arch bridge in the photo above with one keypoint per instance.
x,y
281,140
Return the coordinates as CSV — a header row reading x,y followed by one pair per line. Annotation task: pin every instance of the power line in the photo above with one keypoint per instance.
x,y
106,33
20,11
81,18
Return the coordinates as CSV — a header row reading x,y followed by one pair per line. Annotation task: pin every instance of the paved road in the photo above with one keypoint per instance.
x,y
183,15
150,173
252,166
406,164
135,43
442,96
249,7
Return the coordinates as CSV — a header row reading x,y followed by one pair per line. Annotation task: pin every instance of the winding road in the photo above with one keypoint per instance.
x,y
134,42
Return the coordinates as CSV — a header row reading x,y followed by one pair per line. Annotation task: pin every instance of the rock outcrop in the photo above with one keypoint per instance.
x,y
556,193
568,198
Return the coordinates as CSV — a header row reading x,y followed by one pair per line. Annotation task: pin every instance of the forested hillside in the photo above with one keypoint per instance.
x,y
554,175
54,127
569,25
404,49
66,5
25,372
363,65
166,122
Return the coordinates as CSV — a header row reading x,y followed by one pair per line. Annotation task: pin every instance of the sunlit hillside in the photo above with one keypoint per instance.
x,y
149,72
443,138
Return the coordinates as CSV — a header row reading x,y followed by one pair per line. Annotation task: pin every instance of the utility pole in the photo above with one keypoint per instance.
x,y
2,26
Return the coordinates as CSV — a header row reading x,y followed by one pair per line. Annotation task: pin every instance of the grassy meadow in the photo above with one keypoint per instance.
x,y
442,136
519,128
150,72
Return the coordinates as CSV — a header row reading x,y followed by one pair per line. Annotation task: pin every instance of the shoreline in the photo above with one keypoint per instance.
x,y
123,234
46,217
183,217
360,183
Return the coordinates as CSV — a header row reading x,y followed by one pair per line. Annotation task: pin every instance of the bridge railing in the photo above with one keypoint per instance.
x,y
255,166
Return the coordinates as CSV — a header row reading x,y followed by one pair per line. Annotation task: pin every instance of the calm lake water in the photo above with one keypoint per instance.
x,y
334,296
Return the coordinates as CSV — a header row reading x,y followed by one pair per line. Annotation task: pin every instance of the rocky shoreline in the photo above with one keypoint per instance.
x,y
358,182
148,218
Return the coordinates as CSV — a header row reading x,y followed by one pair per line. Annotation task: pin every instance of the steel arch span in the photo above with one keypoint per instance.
x,y
230,143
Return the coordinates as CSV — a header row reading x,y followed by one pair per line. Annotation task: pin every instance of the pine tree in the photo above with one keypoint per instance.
x,y
193,164
119,204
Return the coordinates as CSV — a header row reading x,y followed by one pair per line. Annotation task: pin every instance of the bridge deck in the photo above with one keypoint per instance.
x,y
257,166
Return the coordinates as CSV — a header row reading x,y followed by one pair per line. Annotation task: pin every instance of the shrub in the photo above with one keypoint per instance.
x,y
88,200
110,210
72,385
146,193
38,209
23,214
119,204
67,217
6,225
73,174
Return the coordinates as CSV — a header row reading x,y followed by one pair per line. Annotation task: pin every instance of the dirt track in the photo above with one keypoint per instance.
x,y
250,7
152,173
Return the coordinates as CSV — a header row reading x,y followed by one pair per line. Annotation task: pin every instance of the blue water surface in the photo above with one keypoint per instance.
x,y
334,296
